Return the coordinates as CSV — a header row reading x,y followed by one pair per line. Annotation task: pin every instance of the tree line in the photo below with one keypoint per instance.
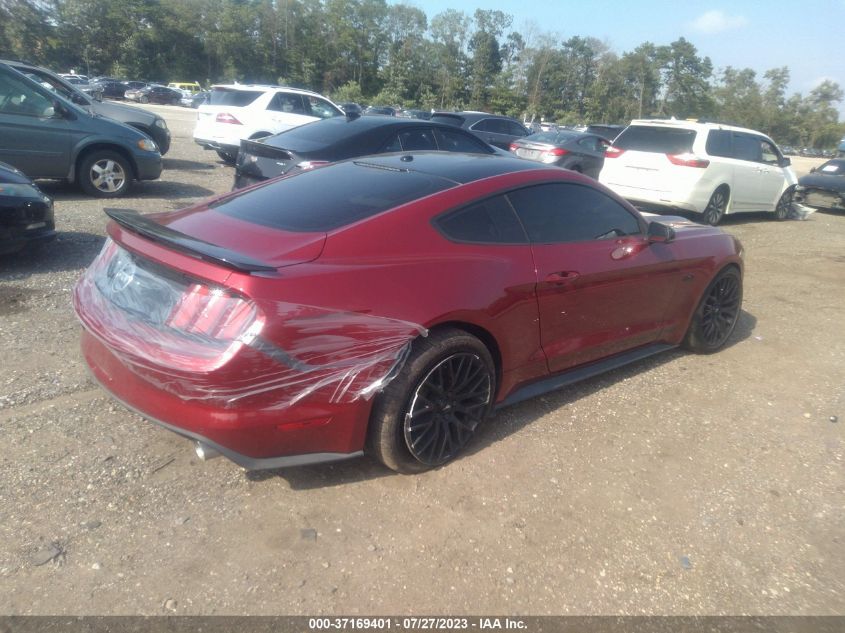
x,y
370,51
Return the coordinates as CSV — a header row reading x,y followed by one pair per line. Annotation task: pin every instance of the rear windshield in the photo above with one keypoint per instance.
x,y
330,197
647,138
551,137
233,98
316,135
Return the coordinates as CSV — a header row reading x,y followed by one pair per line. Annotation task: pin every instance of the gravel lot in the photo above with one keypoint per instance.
x,y
681,485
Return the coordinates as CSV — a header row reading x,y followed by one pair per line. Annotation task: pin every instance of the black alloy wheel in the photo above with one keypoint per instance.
x,y
430,411
447,407
717,313
784,206
716,207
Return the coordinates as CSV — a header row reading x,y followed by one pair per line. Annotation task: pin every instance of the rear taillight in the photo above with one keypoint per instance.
x,y
556,152
211,313
225,117
613,152
513,147
311,164
687,160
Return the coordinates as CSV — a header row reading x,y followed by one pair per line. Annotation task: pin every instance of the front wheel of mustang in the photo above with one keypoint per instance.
x,y
717,313
428,414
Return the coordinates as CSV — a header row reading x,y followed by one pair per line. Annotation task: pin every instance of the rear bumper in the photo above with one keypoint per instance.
x,y
253,435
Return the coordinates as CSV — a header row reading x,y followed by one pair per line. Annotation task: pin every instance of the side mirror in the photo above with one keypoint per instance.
x,y
812,169
660,233
78,99
785,162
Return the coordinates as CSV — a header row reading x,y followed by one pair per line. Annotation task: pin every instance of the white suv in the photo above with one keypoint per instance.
x,y
240,111
705,168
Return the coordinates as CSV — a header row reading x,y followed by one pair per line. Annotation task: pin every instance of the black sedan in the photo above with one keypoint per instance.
x,y
823,187
573,150
26,214
112,88
156,94
338,138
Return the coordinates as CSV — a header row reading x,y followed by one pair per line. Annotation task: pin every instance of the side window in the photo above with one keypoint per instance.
x,y
490,125
417,139
393,145
514,129
564,212
322,108
453,141
719,143
747,147
17,97
489,222
287,102
769,153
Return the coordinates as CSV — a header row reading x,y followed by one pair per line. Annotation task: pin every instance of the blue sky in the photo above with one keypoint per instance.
x,y
806,37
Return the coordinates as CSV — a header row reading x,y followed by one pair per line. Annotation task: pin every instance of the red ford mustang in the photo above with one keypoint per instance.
x,y
388,304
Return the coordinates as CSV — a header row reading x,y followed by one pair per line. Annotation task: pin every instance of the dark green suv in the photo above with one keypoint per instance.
x,y
47,136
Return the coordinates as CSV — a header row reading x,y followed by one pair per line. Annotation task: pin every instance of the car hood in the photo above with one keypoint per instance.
x,y
123,113
823,181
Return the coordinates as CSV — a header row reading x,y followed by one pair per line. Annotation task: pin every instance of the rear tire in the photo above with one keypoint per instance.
x,y
429,413
716,207
717,313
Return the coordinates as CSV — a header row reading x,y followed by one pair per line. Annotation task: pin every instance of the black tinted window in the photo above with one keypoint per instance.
x,y
495,126
563,212
417,139
747,147
329,197
648,138
491,222
719,143
454,141
513,128
234,98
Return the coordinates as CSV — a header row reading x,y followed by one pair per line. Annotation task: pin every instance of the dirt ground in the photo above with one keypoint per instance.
x,y
680,485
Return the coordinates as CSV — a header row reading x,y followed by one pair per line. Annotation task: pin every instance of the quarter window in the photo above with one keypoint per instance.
x,y
417,139
453,141
564,212
489,222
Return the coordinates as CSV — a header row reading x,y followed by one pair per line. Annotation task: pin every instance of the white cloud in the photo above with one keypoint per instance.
x,y
717,22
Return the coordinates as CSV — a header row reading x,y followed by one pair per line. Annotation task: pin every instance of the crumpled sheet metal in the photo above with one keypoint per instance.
x,y
207,344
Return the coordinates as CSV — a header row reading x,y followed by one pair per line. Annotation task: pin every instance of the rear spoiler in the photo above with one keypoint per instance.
x,y
137,223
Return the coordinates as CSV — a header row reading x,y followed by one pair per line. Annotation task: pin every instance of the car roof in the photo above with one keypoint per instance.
x,y
694,124
266,88
455,166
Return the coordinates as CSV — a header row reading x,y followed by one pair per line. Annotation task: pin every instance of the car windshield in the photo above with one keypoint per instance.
x,y
833,168
652,138
233,97
329,197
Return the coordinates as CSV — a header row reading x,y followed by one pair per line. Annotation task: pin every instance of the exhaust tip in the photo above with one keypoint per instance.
x,y
205,452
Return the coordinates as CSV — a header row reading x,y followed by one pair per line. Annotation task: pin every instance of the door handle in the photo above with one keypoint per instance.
x,y
562,277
